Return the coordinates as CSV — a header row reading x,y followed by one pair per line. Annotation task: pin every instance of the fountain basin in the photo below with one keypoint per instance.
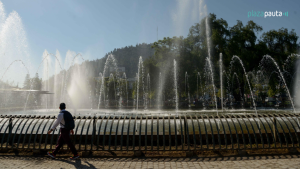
x,y
161,131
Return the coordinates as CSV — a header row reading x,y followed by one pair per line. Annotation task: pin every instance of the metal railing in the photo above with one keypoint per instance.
x,y
156,133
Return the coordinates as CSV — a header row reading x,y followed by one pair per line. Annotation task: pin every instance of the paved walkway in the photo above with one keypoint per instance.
x,y
290,161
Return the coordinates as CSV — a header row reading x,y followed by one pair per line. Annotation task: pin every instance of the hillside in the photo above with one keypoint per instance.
x,y
127,57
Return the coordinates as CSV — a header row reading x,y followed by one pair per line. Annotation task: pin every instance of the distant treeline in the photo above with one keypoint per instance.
x,y
127,57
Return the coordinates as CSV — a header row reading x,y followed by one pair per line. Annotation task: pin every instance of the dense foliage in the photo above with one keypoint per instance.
x,y
241,40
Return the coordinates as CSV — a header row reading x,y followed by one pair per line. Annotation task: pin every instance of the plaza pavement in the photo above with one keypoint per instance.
x,y
283,161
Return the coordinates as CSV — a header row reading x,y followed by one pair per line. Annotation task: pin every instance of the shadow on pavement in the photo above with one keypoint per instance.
x,y
198,159
77,163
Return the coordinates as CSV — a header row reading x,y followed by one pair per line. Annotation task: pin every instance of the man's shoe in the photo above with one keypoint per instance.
x,y
51,155
74,157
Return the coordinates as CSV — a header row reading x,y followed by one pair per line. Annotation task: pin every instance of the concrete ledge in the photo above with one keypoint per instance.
x,y
36,152
189,154
85,153
3,150
242,152
160,154
138,154
293,151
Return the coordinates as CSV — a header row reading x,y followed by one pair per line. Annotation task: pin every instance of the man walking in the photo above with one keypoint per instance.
x,y
66,122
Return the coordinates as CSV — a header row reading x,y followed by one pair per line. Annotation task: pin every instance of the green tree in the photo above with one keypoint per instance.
x,y
281,43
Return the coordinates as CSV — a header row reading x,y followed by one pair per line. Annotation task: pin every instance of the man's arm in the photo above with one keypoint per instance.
x,y
57,121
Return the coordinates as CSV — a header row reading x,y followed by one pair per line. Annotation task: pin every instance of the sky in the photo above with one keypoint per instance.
x,y
96,27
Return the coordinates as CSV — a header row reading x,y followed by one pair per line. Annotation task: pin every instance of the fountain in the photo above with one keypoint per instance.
x,y
238,82
159,95
66,76
113,83
213,83
240,61
45,58
187,89
282,78
110,60
148,91
122,84
176,86
11,65
151,104
221,80
140,79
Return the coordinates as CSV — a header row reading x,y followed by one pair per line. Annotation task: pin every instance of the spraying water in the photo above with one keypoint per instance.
x,y
187,90
14,44
238,81
125,78
199,76
148,90
122,84
110,59
36,73
221,79
46,67
240,61
281,75
207,36
175,86
68,73
11,65
134,103
57,80
2,15
209,58
111,81
159,91
213,83
140,73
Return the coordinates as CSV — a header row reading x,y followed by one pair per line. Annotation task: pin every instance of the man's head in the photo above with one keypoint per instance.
x,y
62,106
